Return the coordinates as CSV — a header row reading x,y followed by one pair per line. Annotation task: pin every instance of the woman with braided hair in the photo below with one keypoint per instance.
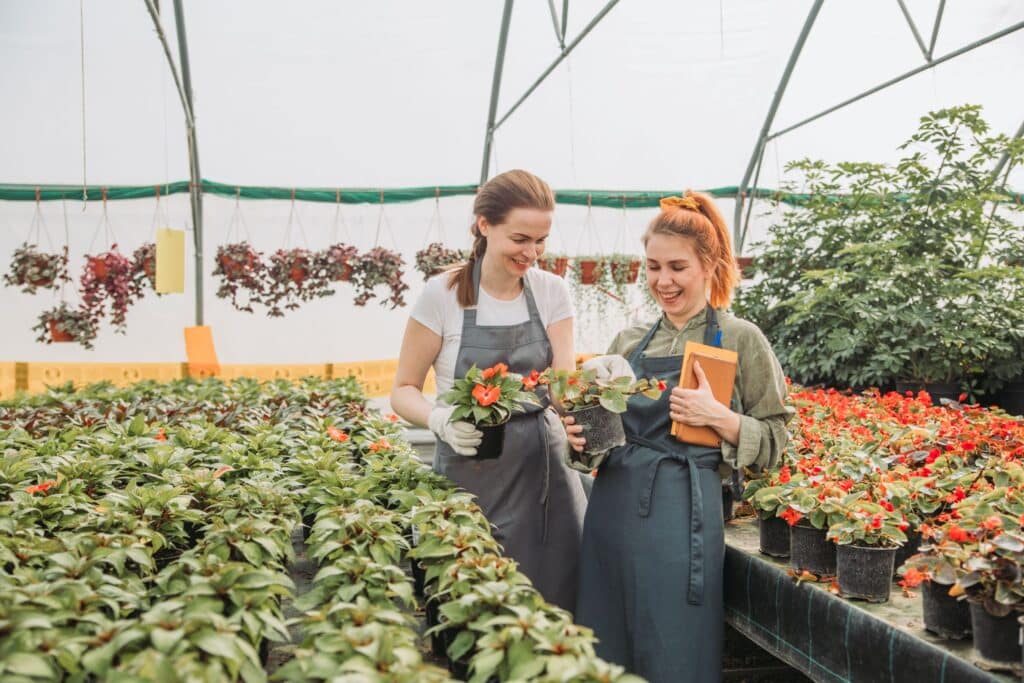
x,y
653,538
497,308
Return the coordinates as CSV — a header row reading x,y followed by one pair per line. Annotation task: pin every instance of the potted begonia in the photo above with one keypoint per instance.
x,y
597,404
867,534
488,398
32,269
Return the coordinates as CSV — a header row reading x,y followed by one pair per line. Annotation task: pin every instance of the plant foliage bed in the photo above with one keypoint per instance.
x,y
146,534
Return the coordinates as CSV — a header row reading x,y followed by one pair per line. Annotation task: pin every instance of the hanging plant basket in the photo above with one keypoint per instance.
x,y
240,270
337,259
379,266
590,271
144,269
554,263
745,265
625,271
108,286
64,324
436,258
294,276
32,270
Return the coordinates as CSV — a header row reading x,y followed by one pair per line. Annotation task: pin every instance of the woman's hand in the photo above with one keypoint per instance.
x,y
574,432
696,407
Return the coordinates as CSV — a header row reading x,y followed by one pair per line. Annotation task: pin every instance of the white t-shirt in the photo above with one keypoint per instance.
x,y
438,309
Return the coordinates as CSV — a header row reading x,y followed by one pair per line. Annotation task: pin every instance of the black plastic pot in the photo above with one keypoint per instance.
x,y
808,549
307,525
937,390
437,644
1011,398
459,668
774,536
995,638
419,576
904,552
944,616
865,572
493,442
601,428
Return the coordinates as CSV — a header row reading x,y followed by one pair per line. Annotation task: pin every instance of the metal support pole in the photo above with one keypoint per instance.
x,y
1006,155
768,119
196,187
565,18
554,21
913,29
935,29
499,63
913,72
565,53
154,11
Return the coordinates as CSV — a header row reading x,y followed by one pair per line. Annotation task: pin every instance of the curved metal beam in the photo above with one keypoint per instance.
x,y
769,119
499,64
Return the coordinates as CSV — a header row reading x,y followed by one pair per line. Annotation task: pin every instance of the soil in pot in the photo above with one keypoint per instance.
x,y
995,638
865,572
492,443
774,536
601,428
944,616
808,549
589,270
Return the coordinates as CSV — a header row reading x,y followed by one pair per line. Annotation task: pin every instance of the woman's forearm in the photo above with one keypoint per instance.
x,y
410,404
727,425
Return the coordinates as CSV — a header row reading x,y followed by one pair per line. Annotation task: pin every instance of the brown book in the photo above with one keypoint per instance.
x,y
719,366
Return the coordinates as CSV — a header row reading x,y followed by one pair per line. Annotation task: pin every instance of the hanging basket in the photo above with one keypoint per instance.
x,y
555,264
626,273
590,271
99,268
58,334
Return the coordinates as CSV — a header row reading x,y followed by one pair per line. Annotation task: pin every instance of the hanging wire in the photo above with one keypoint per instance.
x,y
435,215
67,244
81,43
339,218
294,219
38,224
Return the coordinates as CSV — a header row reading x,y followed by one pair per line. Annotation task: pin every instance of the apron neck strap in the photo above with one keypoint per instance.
x,y
711,335
531,305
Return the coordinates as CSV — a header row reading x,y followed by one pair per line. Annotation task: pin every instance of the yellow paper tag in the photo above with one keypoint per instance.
x,y
170,261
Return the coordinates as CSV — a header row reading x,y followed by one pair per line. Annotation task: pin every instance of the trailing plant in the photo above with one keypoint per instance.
x,y
32,270
240,269
294,276
64,323
553,262
435,258
144,269
379,266
903,278
338,260
107,286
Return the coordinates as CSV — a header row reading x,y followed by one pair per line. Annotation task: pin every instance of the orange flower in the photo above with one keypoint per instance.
x,y
337,434
993,522
160,436
222,470
485,395
957,534
392,417
791,516
784,475
912,578
380,445
498,369
531,381
41,488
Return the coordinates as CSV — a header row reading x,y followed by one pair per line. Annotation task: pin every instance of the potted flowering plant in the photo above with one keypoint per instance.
x,y
553,263
379,266
597,404
435,258
769,495
867,534
488,398
32,269
240,267
143,269
295,275
108,277
337,260
64,324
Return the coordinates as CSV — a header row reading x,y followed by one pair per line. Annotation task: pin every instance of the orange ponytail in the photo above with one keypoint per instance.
x,y
696,216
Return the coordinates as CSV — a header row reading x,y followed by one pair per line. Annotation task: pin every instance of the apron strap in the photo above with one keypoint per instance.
x,y
695,591
642,346
545,448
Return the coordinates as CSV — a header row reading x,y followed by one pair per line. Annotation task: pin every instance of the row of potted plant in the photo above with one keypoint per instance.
x,y
290,277
884,476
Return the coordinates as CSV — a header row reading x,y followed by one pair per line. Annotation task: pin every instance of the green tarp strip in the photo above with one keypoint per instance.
x,y
616,199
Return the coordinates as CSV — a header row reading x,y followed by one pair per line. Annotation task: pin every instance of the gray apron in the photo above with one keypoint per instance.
x,y
535,502
654,543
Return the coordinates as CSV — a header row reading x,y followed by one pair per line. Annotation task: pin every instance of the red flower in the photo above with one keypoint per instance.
x,y
486,395
955,533
791,516
41,488
886,505
962,398
160,436
531,381
968,445
933,455
993,522
337,434
784,475
661,385
913,577
876,521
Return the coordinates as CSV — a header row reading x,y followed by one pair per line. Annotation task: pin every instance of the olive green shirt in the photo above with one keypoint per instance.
x,y
759,394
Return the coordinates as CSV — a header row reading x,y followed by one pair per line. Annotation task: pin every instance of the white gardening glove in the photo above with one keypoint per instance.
x,y
462,436
611,366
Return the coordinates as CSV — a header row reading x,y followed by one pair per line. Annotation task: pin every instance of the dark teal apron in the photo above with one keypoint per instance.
x,y
533,500
653,542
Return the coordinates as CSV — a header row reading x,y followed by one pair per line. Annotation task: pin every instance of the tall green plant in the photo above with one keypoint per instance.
x,y
905,272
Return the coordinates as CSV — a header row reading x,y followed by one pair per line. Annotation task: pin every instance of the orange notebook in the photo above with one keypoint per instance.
x,y
719,366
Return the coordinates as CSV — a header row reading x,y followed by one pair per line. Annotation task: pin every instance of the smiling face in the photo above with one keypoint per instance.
x,y
513,246
676,277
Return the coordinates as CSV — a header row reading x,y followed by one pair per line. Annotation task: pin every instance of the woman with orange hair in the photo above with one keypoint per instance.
x,y
653,536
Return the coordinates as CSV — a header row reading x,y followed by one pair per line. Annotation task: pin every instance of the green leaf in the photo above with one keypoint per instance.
x,y
28,664
165,640
217,644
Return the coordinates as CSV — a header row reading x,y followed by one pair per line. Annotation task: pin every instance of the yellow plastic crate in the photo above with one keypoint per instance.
x,y
9,379
271,372
39,375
